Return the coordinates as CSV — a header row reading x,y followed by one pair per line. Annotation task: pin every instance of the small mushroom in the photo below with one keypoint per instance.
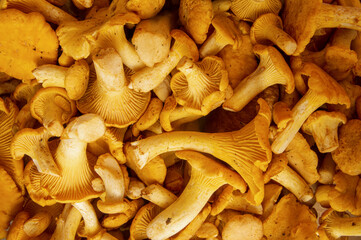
x,y
37,45
67,223
327,170
245,227
272,70
148,78
52,108
316,96
206,177
158,195
145,9
323,127
271,194
196,17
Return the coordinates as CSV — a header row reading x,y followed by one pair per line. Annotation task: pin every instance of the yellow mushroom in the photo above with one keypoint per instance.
x,y
74,79
251,9
229,147
148,78
243,227
34,143
200,87
316,96
8,114
51,13
135,188
75,181
271,194
53,108
158,195
145,9
37,45
267,29
225,33
67,223
206,177
280,172
108,95
196,17
327,169
272,70
16,230
151,38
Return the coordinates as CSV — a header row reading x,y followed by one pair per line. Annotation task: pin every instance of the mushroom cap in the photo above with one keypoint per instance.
x,y
260,26
289,217
251,9
16,230
347,155
184,44
225,30
145,9
280,69
196,17
53,108
207,86
119,107
37,45
11,201
25,91
282,114
76,79
8,114
243,227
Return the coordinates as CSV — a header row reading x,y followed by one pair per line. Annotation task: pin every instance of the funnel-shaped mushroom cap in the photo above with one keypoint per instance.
x,y
8,113
196,16
27,41
271,70
200,86
108,94
252,9
289,218
24,92
11,201
75,182
301,18
323,127
53,108
267,29
148,78
207,175
316,95
34,143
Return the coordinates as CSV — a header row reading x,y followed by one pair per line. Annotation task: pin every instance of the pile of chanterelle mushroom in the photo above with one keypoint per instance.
x,y
180,119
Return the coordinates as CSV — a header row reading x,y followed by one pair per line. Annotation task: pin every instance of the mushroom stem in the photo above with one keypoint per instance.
x,y
342,226
179,214
280,38
335,16
67,223
211,46
300,113
109,70
91,224
50,75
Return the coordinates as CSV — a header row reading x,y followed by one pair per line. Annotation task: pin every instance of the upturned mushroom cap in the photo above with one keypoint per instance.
x,y
267,30
148,78
51,13
34,143
251,9
345,194
52,108
75,182
323,127
272,70
290,219
11,201
347,155
200,87
316,96
206,177
313,15
8,113
196,17
245,227
19,56
108,95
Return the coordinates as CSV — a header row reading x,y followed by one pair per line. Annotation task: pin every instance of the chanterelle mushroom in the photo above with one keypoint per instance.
x,y
271,70
316,96
108,95
347,155
246,150
251,9
27,41
200,87
74,182
323,127
206,177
